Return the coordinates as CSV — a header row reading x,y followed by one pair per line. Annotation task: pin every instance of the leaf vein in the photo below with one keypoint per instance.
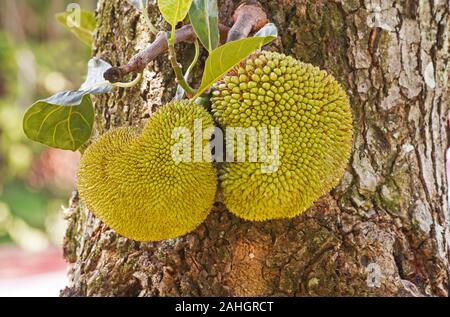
x,y
68,128
46,118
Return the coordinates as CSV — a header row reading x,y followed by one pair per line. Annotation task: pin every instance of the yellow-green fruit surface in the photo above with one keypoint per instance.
x,y
312,113
134,185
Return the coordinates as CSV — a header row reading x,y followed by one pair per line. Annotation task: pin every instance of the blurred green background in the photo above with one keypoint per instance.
x,y
38,58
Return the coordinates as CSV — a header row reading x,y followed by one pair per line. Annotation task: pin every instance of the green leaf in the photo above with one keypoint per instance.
x,y
65,120
95,83
81,23
60,126
174,11
224,58
204,16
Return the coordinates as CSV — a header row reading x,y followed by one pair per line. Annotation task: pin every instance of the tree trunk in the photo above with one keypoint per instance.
x,y
383,231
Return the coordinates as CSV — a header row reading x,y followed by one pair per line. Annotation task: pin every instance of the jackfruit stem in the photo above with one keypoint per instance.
x,y
177,69
195,59
180,91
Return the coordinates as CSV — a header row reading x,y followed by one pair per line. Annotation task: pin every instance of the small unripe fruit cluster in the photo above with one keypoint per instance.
x,y
132,182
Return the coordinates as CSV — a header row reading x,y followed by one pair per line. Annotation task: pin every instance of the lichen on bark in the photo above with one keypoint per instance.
x,y
383,231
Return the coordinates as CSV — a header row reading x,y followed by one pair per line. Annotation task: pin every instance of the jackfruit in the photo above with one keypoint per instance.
x,y
134,185
310,112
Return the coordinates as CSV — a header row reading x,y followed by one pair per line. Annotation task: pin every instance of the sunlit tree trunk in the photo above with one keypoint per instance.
x,y
383,231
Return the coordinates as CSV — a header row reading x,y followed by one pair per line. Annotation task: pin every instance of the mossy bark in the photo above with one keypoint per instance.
x,y
383,231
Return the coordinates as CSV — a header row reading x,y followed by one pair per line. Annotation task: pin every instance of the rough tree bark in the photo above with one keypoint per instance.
x,y
383,231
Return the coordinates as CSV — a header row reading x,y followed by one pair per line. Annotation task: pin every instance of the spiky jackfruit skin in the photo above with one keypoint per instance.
x,y
136,188
313,115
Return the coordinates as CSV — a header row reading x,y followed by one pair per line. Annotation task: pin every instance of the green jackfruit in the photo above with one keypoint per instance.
x,y
313,117
134,185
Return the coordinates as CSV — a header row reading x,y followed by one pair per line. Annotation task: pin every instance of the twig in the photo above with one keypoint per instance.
x,y
248,17
130,84
138,62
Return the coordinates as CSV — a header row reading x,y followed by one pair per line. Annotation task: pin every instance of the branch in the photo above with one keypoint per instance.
x,y
248,17
138,62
